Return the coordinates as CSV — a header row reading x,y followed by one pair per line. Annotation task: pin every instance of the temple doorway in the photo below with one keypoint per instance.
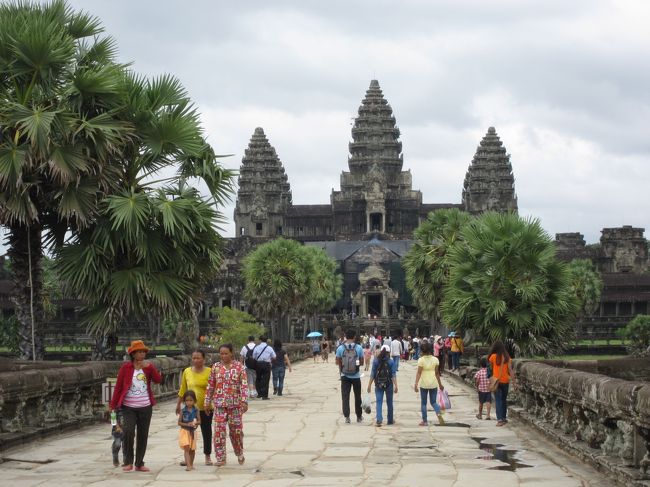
x,y
374,304
375,222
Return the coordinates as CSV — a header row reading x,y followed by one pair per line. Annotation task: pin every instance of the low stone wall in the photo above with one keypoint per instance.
x,y
39,398
603,420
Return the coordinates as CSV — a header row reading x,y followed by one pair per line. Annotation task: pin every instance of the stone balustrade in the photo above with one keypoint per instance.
x,y
604,420
41,398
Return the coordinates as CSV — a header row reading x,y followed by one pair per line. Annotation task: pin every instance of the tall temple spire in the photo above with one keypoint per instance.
x,y
489,182
264,193
375,138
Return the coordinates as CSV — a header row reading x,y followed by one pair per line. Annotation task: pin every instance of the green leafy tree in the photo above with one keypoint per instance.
x,y
283,277
506,284
276,280
60,89
234,326
426,263
586,285
637,333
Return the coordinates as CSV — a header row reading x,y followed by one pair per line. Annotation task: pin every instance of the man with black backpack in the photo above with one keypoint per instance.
x,y
246,357
263,354
349,358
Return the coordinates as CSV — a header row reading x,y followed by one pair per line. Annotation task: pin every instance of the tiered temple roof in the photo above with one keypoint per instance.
x,y
489,182
375,137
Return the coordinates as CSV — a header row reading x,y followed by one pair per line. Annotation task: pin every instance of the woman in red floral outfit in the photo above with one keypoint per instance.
x,y
227,394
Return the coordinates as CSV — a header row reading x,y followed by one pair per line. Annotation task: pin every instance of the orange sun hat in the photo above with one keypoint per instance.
x,y
136,346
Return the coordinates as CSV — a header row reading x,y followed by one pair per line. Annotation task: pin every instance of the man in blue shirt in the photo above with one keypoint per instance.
x,y
349,358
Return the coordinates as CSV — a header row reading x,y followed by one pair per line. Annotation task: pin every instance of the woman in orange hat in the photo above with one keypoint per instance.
x,y
133,395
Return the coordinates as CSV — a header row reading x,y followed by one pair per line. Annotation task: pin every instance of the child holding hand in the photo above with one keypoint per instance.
x,y
189,419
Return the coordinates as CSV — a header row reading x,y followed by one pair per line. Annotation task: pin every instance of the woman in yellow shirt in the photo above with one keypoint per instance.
x,y
427,380
456,350
195,378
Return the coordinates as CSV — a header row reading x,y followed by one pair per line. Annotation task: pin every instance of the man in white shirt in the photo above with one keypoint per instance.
x,y
264,354
396,351
250,372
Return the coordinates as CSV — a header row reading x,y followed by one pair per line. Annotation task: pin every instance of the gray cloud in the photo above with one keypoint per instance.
x,y
565,84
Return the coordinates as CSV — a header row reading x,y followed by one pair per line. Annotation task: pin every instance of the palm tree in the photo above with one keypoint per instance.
x,y
276,280
154,245
506,284
426,263
60,88
586,285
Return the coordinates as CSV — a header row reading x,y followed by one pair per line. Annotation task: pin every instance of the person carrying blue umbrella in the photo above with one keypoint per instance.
x,y
315,344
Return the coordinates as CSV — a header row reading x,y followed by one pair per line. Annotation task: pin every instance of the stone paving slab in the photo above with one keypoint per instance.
x,y
300,439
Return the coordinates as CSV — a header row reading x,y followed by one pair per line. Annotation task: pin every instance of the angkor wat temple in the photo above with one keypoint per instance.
x,y
368,224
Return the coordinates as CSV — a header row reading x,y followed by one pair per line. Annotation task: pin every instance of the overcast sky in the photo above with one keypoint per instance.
x,y
566,84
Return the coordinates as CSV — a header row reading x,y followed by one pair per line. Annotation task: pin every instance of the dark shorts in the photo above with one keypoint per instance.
x,y
316,353
484,397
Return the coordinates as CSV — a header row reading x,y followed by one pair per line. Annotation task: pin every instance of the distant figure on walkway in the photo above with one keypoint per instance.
x,y
502,370
134,396
325,353
251,375
195,378
315,349
349,357
427,379
457,349
279,366
385,380
446,352
439,352
367,356
264,355
482,382
227,394
189,419
396,349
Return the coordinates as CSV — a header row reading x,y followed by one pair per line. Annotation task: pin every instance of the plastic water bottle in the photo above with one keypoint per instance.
x,y
113,418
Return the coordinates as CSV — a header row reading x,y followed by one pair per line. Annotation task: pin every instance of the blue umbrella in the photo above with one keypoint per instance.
x,y
315,334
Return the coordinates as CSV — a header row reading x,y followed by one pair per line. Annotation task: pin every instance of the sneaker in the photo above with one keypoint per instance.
x,y
347,420
378,423
390,422
265,399
423,423
142,469
359,419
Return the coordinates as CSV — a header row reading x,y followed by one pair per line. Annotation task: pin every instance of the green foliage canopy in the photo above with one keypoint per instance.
x,y
637,332
506,284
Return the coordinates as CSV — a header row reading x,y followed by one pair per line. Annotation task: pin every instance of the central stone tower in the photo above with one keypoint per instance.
x,y
376,196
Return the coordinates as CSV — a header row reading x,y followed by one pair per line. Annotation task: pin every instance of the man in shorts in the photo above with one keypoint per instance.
x,y
315,348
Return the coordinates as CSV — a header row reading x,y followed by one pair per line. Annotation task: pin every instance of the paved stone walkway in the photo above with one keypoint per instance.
x,y
300,439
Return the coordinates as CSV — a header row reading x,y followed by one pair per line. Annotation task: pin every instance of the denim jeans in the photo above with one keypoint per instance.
x,y
278,379
432,394
396,360
455,360
501,399
379,397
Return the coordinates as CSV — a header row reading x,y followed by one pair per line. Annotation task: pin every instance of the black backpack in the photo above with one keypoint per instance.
x,y
382,377
249,361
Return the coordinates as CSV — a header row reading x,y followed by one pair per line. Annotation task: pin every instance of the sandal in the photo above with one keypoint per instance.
x,y
220,464
241,459
423,423
478,416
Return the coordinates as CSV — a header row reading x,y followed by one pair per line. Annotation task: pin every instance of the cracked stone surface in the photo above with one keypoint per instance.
x,y
301,439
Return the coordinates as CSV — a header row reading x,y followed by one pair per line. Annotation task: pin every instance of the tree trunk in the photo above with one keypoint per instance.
x,y
26,255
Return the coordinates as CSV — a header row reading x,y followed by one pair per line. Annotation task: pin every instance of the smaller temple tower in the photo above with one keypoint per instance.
x,y
489,183
264,193
624,249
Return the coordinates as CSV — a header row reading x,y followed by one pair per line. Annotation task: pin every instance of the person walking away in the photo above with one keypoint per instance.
x,y
438,352
349,357
227,395
134,396
315,349
251,375
482,382
279,366
367,357
195,378
427,380
396,351
456,350
406,348
416,348
263,354
188,419
325,351
501,369
385,380
447,352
